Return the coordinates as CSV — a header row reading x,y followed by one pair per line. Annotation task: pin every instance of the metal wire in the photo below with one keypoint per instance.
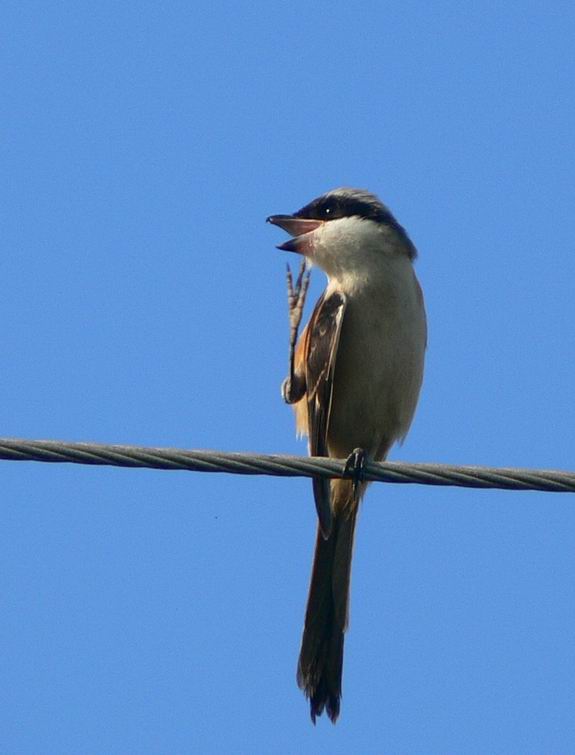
x,y
12,449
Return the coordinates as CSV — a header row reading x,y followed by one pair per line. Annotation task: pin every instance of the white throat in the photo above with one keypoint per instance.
x,y
356,253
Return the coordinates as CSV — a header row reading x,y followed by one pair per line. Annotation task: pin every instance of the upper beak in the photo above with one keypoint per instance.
x,y
296,227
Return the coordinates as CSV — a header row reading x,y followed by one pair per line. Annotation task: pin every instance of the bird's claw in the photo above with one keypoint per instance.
x,y
355,468
292,387
296,298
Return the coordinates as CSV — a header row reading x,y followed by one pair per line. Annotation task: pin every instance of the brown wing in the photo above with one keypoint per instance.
x,y
321,353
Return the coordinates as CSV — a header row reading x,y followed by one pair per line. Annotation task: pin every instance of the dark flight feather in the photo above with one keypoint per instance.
x,y
321,354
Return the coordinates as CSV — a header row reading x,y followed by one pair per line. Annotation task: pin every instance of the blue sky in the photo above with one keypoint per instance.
x,y
143,301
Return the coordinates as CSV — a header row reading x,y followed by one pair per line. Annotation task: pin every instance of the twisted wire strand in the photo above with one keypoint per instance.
x,y
13,449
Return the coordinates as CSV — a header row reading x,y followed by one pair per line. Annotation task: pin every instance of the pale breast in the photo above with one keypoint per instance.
x,y
379,367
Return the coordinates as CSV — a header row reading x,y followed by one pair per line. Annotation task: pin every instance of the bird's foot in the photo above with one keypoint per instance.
x,y
292,387
296,299
355,467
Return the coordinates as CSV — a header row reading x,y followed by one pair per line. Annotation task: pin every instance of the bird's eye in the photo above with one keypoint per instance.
x,y
327,210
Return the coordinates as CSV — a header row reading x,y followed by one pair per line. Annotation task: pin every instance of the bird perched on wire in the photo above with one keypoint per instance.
x,y
354,380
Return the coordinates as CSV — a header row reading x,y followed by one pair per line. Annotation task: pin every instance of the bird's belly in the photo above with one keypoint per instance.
x,y
378,375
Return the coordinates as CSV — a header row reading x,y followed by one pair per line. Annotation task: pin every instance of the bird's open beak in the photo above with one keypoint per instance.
x,y
299,228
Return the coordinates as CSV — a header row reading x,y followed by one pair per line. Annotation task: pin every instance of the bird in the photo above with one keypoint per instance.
x,y
354,381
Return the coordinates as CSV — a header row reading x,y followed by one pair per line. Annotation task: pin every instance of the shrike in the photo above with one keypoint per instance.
x,y
354,381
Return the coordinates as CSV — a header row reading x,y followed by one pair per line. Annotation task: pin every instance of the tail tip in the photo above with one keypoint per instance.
x,y
329,703
320,698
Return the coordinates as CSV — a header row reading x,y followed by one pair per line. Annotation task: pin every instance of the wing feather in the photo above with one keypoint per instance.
x,y
322,338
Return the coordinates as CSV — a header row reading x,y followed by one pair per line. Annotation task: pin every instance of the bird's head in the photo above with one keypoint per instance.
x,y
344,231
